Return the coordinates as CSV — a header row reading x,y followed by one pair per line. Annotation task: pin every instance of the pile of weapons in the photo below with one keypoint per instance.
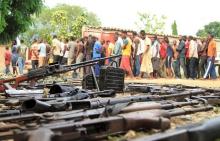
x,y
70,113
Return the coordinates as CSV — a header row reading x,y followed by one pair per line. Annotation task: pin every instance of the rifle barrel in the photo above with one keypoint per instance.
x,y
181,111
92,61
178,104
96,103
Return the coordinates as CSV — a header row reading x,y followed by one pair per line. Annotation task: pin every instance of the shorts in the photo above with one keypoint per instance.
x,y
168,62
155,63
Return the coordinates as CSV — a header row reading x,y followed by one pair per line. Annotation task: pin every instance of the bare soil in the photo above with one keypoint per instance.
x,y
200,83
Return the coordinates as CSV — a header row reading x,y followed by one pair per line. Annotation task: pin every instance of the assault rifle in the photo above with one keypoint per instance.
x,y
95,113
48,71
207,131
34,105
77,94
165,89
101,127
155,88
211,99
60,103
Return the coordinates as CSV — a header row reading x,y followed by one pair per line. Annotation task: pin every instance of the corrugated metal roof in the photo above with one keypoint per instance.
x,y
130,30
109,28
124,29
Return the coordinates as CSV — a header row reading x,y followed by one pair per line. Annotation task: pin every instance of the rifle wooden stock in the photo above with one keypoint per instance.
x,y
139,106
97,128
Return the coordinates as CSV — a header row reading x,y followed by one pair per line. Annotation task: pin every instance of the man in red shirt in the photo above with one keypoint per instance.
x,y
187,55
7,60
34,54
163,50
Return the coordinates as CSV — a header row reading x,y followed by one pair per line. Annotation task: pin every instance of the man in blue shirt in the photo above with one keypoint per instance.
x,y
97,50
169,56
182,58
97,54
22,49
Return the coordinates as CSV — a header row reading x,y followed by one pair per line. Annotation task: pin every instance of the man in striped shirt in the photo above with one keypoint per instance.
x,y
193,56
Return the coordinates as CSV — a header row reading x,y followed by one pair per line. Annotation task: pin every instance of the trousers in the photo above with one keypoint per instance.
x,y
210,70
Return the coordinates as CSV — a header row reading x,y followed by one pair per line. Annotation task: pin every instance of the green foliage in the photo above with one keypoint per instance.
x,y
201,33
59,23
151,23
212,27
78,24
15,17
63,20
174,28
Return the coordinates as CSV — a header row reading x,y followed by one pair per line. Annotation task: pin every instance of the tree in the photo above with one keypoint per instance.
x,y
63,20
212,27
174,28
78,24
59,23
15,17
201,33
151,23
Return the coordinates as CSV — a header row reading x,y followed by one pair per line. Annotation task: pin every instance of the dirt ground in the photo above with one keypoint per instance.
x,y
187,82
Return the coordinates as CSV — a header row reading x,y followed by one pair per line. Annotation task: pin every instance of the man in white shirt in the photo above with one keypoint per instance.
x,y
137,54
62,49
118,47
193,55
72,51
146,64
64,52
42,53
56,46
155,57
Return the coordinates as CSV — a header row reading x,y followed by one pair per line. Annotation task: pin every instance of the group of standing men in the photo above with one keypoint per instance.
x,y
141,56
161,58
16,57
